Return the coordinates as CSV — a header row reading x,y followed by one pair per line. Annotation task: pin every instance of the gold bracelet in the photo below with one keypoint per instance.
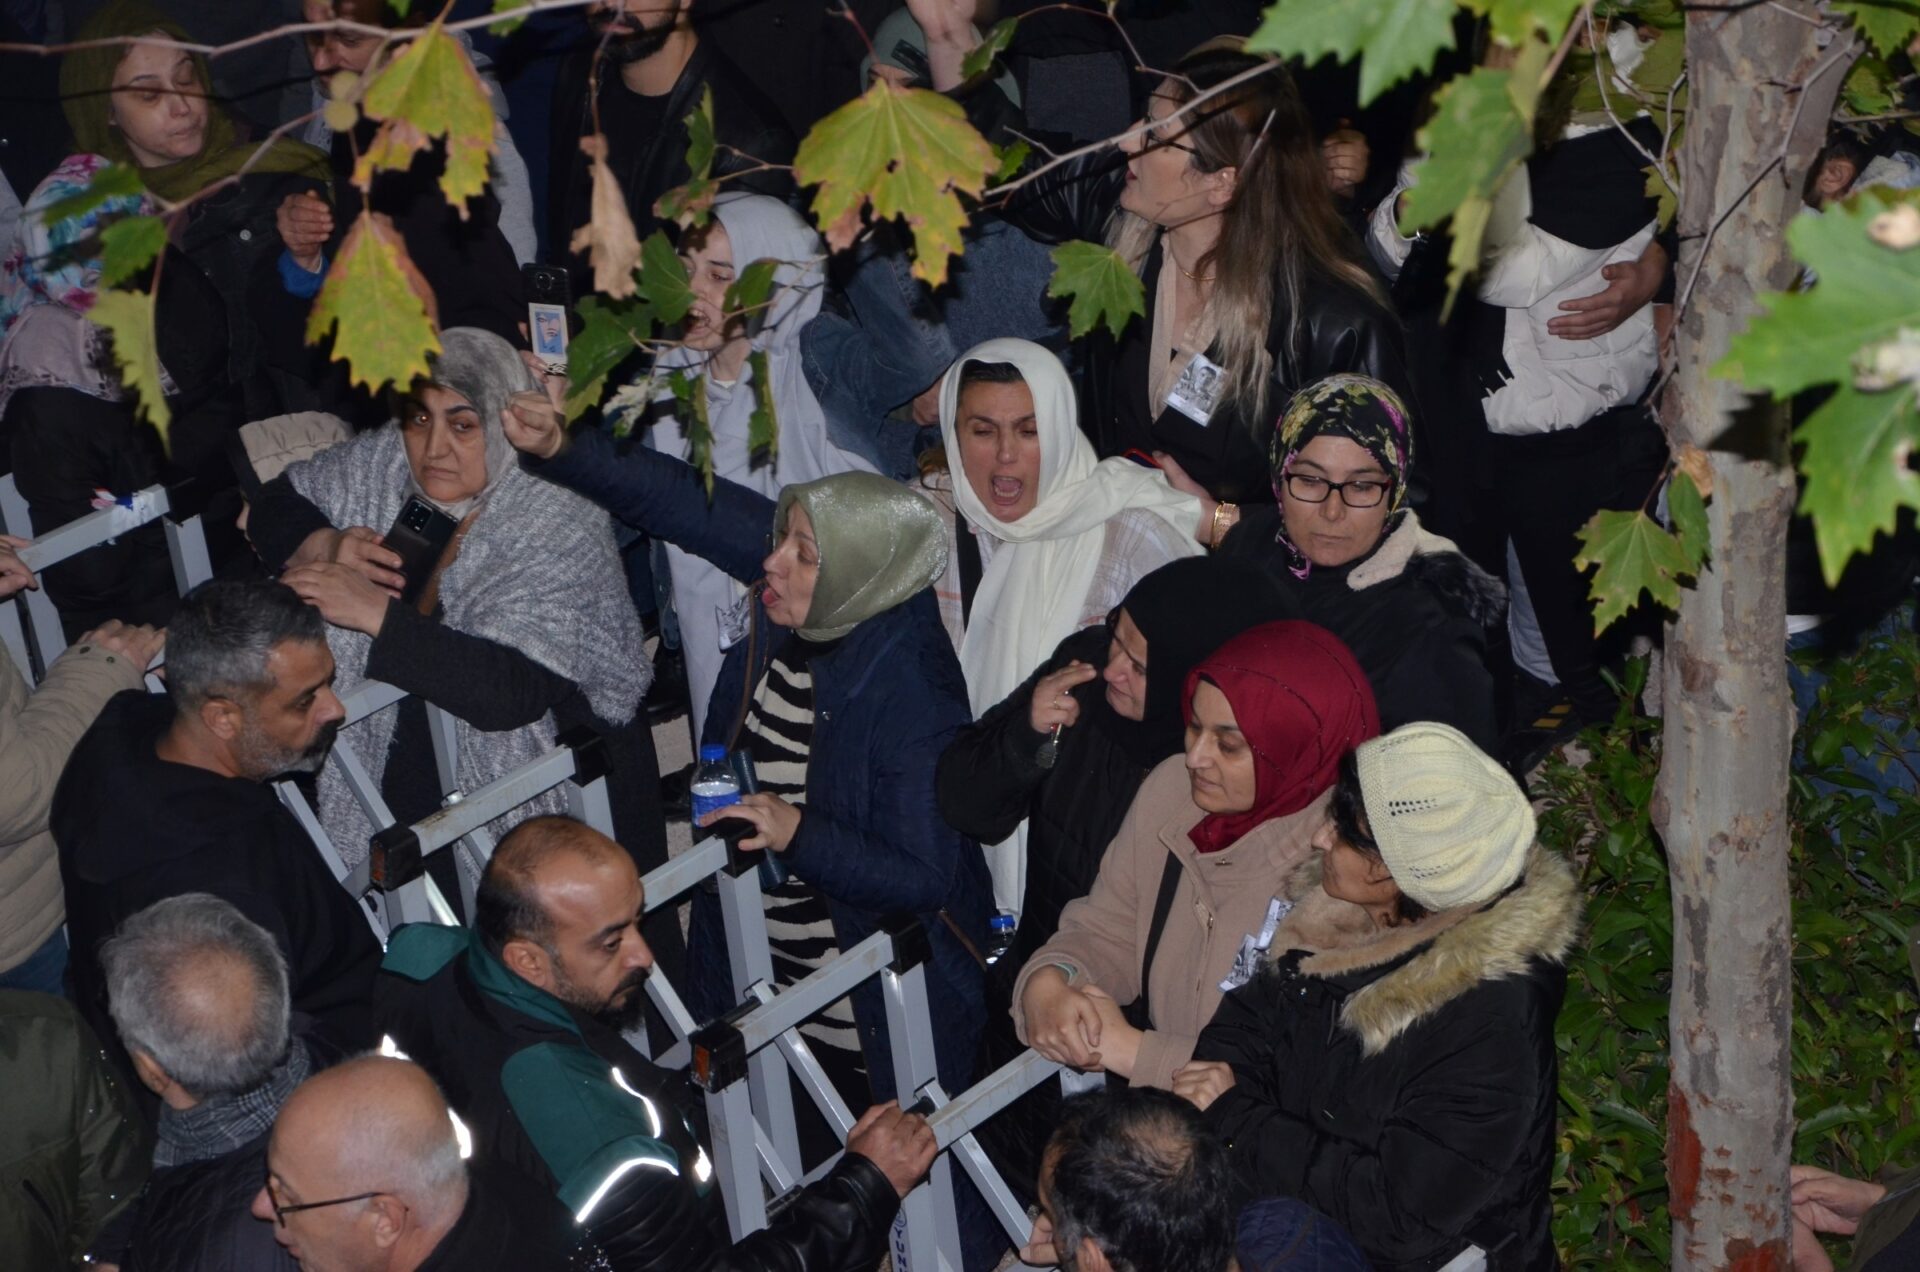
x,y
1213,538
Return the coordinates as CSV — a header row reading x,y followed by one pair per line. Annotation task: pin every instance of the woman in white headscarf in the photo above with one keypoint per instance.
x,y
1052,540
523,631
730,349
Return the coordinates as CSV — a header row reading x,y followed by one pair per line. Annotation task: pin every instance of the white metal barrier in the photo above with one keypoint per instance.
x,y
36,642
743,1061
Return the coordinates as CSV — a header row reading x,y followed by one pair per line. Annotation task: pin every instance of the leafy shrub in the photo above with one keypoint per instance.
x,y
1856,889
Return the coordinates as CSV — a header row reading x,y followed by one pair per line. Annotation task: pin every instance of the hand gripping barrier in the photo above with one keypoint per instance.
x,y
35,644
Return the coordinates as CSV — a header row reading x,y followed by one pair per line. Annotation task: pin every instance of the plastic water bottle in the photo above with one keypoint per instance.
x,y
714,785
1000,929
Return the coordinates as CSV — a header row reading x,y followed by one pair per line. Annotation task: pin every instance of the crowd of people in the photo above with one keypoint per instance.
x,y
1182,683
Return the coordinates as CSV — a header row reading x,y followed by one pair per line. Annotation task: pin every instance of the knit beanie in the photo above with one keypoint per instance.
x,y
1452,825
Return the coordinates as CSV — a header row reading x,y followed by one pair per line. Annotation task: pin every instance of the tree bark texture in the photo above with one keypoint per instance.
x,y
1761,86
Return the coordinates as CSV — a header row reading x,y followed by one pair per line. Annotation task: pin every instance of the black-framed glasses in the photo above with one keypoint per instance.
x,y
281,1212
1165,134
1359,493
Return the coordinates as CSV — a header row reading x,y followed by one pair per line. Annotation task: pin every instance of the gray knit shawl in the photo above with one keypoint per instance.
x,y
537,572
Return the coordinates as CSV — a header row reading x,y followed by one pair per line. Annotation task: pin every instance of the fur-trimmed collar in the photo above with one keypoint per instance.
x,y
1453,951
1434,560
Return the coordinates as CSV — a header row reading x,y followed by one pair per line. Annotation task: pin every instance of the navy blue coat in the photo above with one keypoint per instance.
x,y
887,700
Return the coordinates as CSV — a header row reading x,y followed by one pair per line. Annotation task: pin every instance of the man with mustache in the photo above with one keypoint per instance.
x,y
520,1020
167,794
652,69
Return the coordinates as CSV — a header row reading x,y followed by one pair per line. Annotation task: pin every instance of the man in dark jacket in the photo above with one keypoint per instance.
x,y
654,71
199,994
167,795
521,1020
367,1168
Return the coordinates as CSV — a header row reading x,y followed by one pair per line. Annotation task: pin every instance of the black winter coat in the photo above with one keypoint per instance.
x,y
988,780
196,1218
133,829
1406,1087
1418,621
747,128
1342,329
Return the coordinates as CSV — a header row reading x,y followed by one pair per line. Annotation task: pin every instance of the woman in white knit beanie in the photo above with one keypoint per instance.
x,y
1403,1081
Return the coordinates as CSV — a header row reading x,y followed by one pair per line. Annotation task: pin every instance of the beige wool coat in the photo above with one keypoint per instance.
x,y
38,730
1221,898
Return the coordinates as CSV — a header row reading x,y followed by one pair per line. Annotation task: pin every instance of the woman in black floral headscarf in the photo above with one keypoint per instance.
x,y
1342,540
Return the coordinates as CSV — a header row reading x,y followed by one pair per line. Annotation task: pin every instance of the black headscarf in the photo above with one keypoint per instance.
x,y
1186,610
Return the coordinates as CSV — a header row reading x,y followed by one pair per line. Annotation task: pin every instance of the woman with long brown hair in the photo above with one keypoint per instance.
x,y
1255,288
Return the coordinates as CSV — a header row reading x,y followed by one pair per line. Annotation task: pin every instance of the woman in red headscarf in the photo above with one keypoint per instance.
x,y
1189,891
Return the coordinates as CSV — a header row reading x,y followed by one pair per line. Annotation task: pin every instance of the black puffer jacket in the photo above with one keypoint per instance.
x,y
195,1218
1406,1087
1342,329
1418,615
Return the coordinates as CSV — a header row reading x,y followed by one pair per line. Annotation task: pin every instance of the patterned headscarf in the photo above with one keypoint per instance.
x,y
1360,409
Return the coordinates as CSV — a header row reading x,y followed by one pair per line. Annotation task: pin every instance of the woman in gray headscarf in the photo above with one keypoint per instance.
x,y
524,627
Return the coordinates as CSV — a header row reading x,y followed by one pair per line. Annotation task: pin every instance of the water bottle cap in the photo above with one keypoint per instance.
x,y
712,751
1000,922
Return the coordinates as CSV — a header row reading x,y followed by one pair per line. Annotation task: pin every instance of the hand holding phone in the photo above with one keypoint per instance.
x,y
419,535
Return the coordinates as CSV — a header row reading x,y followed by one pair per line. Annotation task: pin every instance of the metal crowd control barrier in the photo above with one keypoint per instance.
x,y
35,645
392,880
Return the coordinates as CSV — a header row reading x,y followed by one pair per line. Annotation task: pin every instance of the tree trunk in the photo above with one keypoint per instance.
x,y
1721,802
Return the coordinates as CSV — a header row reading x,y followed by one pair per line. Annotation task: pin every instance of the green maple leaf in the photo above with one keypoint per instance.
x,y
981,58
1887,24
115,181
909,153
662,282
690,400
1869,87
1103,289
1515,21
1865,294
1661,191
763,426
505,26
431,90
1633,554
127,247
1856,465
752,288
610,331
129,316
1399,38
1689,513
375,303
1482,128
1011,158
691,202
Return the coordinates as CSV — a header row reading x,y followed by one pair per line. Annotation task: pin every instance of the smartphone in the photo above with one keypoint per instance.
x,y
549,293
420,534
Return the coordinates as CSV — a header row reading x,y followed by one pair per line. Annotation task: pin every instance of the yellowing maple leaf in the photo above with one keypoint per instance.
x,y
909,153
378,306
430,90
129,316
608,237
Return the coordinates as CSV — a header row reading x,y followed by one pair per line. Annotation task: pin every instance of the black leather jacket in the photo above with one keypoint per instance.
x,y
746,126
1341,330
563,1100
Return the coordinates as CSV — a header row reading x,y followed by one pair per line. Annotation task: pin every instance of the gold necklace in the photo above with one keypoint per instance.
x,y
1191,276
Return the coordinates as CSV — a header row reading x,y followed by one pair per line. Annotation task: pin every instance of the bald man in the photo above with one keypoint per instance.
x,y
520,1019
366,1173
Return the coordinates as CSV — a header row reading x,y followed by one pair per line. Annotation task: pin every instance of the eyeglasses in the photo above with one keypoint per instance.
x,y
1165,134
281,1212
1365,493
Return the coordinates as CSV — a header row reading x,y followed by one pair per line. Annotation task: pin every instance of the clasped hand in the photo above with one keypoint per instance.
x,y
774,820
